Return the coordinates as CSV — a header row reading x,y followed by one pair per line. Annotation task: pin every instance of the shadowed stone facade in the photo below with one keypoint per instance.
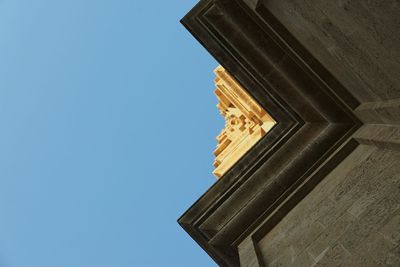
x,y
322,187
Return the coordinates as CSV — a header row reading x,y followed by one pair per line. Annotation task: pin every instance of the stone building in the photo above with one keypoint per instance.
x,y
309,160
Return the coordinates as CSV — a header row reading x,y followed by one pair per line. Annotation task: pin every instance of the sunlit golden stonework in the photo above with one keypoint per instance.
x,y
245,122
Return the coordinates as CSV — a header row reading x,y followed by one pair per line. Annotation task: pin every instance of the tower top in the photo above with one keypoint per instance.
x,y
246,122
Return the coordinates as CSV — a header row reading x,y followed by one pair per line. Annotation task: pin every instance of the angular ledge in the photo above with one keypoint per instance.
x,y
315,124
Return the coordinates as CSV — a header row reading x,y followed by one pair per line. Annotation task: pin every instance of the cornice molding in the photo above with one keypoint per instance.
x,y
314,115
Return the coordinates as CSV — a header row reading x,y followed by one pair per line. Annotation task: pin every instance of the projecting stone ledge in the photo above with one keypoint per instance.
x,y
245,122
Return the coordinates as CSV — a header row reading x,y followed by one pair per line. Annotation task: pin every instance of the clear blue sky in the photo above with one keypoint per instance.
x,y
108,124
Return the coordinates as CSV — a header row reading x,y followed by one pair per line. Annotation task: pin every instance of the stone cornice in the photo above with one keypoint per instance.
x,y
314,115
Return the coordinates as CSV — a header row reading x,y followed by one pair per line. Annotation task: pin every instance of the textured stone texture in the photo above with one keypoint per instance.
x,y
358,41
322,187
361,225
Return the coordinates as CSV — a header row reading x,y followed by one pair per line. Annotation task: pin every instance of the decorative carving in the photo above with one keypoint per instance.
x,y
245,122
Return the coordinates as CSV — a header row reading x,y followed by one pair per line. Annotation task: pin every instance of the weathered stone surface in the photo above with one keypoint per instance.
x,y
322,188
330,235
391,231
333,256
353,39
377,249
248,254
346,236
381,112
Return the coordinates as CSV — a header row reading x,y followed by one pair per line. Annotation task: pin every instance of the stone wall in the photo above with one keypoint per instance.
x,y
322,188
358,41
352,218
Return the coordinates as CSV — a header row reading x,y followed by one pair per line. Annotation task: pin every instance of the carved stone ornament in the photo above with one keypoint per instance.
x,y
245,122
